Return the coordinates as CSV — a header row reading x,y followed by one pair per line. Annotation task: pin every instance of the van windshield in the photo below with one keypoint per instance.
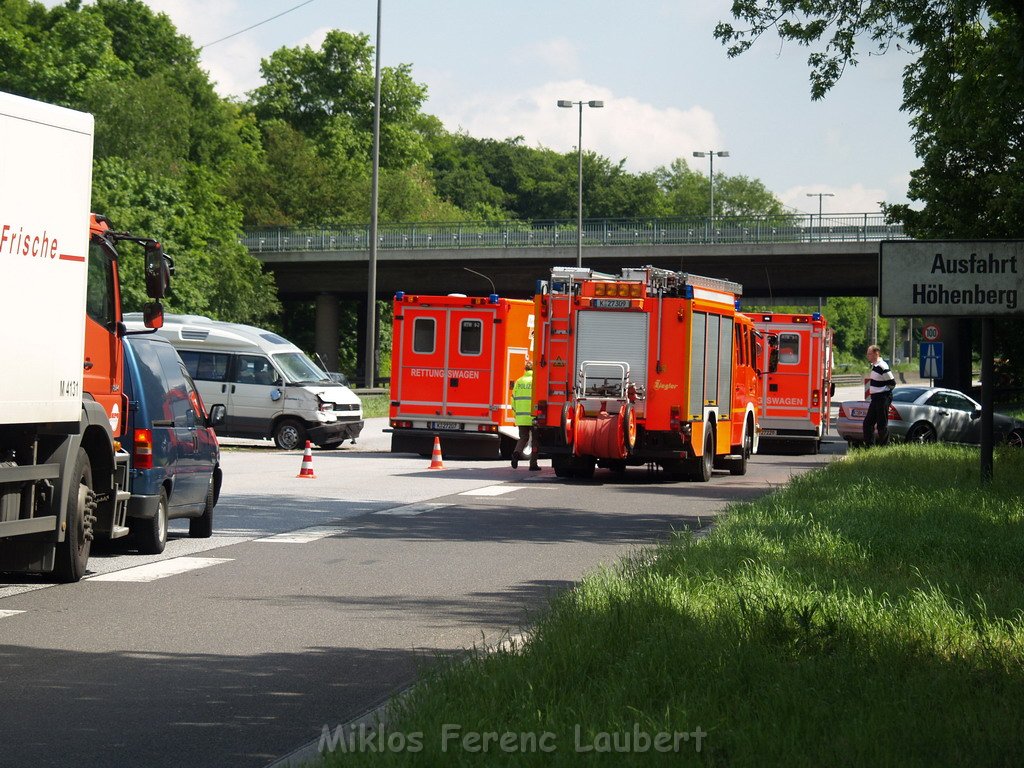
x,y
299,369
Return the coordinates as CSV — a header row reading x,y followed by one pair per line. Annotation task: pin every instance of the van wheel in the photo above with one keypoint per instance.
x,y
73,552
151,534
202,527
289,435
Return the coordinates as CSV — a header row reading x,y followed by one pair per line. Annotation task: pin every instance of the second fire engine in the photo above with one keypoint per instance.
x,y
649,366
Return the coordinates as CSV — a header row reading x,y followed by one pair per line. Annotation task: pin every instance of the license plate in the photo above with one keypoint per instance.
x,y
445,425
858,413
769,432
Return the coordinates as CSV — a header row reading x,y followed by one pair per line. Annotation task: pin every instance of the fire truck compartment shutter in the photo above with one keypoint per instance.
x,y
620,336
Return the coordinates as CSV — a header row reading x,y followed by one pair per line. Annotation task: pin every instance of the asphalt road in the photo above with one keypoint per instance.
x,y
315,600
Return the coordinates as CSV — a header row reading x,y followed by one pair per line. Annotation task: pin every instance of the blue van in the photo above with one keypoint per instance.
x,y
175,459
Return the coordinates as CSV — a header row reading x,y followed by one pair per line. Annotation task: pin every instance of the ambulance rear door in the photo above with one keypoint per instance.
x,y
447,360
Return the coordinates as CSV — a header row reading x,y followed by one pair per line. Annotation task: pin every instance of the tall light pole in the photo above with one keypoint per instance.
x,y
579,173
371,280
820,195
711,155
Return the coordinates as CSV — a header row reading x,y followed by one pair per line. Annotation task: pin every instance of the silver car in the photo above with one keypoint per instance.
x,y
927,414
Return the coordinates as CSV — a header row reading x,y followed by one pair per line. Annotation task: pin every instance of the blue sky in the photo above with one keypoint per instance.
x,y
496,69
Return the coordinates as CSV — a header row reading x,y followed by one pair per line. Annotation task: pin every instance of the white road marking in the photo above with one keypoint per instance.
x,y
5,614
160,570
303,536
491,490
409,510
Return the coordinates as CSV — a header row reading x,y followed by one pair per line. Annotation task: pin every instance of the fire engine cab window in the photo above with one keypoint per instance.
x,y
471,337
423,336
789,348
99,302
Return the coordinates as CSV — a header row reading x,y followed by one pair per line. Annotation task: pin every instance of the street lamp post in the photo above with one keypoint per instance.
x,y
369,379
819,195
711,155
579,173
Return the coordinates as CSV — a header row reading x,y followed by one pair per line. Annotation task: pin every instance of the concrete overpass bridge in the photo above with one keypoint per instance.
x,y
797,256
792,255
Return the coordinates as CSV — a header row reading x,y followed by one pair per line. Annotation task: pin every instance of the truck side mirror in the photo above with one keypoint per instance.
x,y
159,269
153,315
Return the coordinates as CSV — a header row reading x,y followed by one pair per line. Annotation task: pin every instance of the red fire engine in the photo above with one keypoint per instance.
x,y
797,392
454,360
651,366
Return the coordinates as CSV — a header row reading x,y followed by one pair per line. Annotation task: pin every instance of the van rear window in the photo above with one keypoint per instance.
x,y
206,366
167,395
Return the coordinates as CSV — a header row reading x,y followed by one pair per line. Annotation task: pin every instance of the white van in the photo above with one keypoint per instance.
x,y
268,385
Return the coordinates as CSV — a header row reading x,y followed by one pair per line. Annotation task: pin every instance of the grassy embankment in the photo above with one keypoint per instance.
x,y
870,613
374,405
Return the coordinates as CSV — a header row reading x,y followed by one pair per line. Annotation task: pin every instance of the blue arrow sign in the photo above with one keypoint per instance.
x,y
931,360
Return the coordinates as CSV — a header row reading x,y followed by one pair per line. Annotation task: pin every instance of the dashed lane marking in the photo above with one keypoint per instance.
x,y
413,509
160,570
6,614
303,536
492,490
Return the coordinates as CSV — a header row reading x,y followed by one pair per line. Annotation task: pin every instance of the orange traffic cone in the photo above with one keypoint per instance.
x,y
307,463
435,456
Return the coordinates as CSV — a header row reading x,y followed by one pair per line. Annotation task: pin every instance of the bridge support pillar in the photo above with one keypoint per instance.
x,y
326,329
956,353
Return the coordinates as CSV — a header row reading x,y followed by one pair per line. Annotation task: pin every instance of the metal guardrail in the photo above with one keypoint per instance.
x,y
789,228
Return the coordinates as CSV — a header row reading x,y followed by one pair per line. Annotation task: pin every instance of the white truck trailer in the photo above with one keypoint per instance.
x,y
63,476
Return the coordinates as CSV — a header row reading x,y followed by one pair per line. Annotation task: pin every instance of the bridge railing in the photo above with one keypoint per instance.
x,y
789,228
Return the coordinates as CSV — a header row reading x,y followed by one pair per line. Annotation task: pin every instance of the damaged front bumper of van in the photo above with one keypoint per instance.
x,y
335,432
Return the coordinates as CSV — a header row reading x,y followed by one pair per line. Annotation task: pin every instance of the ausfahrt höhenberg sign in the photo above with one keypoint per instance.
x,y
950,278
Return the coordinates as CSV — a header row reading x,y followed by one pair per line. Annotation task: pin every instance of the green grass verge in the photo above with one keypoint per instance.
x,y
870,613
374,405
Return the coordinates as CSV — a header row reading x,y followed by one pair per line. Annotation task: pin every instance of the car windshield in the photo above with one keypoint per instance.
x,y
299,369
907,394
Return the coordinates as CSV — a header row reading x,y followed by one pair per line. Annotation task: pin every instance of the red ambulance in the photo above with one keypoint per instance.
x,y
454,360
797,387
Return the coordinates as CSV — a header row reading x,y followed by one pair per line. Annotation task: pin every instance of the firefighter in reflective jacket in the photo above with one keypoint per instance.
x,y
522,404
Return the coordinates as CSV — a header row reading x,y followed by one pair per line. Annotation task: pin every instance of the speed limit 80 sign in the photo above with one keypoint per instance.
x,y
930,332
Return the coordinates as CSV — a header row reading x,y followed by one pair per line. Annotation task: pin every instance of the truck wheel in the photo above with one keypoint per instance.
x,y
583,467
73,552
289,434
739,466
151,534
202,527
562,465
702,466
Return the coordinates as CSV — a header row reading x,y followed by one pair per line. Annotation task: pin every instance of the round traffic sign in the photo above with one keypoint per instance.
x,y
930,332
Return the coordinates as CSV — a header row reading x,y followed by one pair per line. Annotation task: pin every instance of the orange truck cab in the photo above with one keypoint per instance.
x,y
454,360
646,367
797,386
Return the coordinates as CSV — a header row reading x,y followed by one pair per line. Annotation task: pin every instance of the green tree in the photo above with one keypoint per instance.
x,y
165,142
331,90
964,93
